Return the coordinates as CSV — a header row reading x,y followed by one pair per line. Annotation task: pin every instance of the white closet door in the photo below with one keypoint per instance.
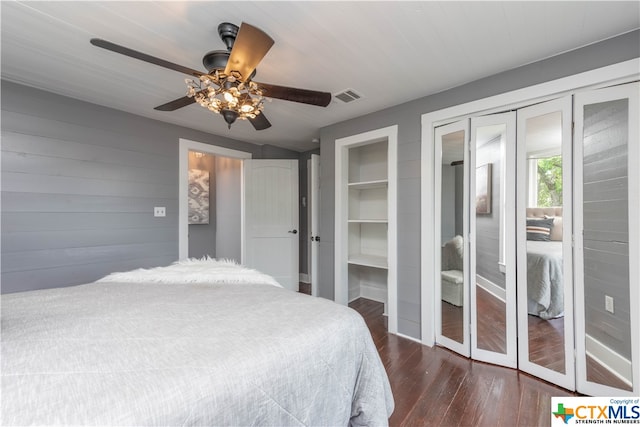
x,y
492,261
607,239
451,236
544,236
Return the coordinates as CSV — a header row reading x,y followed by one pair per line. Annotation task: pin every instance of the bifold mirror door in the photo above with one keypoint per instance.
x,y
544,234
451,247
607,234
492,239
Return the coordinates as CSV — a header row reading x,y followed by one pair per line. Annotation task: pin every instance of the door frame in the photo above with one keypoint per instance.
x,y
622,72
313,220
184,146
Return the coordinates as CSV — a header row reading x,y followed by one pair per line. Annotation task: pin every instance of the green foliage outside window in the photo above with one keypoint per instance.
x,y
550,181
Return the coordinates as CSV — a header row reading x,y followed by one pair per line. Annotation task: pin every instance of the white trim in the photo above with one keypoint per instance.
x,y
184,146
623,71
491,287
304,278
610,360
342,146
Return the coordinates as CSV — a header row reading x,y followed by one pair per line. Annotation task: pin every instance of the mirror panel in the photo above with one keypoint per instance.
x,y
451,280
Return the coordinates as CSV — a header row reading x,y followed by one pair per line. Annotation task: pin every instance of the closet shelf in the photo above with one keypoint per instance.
x,y
368,221
365,185
368,260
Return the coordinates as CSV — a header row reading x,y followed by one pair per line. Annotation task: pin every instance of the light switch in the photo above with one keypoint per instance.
x,y
159,211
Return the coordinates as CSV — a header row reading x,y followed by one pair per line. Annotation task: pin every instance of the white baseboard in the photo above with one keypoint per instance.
x,y
304,278
492,288
609,359
409,338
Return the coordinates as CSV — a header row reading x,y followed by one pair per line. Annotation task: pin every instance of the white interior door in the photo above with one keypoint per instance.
x,y
314,213
271,219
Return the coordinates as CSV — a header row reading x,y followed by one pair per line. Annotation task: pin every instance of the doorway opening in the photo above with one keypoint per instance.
x,y
216,175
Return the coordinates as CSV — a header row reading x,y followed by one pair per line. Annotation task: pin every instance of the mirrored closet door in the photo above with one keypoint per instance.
x,y
452,254
492,239
544,233
607,256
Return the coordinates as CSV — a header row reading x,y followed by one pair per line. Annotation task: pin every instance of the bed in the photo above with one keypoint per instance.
x,y
545,291
197,343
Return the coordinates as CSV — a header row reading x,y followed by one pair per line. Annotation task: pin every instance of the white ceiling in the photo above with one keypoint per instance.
x,y
389,52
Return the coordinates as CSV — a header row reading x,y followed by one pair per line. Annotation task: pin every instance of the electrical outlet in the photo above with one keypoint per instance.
x,y
159,211
608,303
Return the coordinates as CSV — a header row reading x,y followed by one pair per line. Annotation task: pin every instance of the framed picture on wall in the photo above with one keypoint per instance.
x,y
483,189
198,196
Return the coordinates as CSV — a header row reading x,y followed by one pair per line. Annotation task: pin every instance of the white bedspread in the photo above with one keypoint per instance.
x,y
150,354
193,270
545,291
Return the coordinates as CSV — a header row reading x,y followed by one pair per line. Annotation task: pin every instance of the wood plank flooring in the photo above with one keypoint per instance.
x,y
435,387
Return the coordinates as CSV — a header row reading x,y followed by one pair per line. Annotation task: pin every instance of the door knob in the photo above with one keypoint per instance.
x,y
293,231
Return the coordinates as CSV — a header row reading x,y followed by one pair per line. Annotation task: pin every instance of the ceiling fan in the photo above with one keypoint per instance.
x,y
228,87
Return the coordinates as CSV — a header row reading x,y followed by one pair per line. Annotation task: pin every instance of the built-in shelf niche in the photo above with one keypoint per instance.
x,y
366,181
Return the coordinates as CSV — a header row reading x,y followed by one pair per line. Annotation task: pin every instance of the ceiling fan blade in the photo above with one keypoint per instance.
x,y
260,122
176,104
144,57
304,96
251,45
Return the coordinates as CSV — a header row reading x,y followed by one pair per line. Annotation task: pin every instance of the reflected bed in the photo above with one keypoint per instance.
x,y
545,291
544,279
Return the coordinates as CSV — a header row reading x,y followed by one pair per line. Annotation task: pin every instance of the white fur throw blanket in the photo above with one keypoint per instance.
x,y
202,271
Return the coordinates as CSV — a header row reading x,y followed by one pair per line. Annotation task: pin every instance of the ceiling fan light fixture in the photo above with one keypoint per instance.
x,y
226,95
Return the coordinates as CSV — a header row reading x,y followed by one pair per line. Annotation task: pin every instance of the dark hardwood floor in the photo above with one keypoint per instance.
x,y
433,386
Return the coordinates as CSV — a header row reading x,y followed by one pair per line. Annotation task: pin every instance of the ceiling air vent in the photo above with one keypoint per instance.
x,y
348,95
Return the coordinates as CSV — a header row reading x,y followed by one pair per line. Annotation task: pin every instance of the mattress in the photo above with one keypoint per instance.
x,y
194,353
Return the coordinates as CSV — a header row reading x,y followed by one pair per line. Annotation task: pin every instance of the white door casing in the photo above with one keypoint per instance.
x,y
314,220
271,219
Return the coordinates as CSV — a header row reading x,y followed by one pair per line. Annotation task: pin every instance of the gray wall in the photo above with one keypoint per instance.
x,y
408,118
79,183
